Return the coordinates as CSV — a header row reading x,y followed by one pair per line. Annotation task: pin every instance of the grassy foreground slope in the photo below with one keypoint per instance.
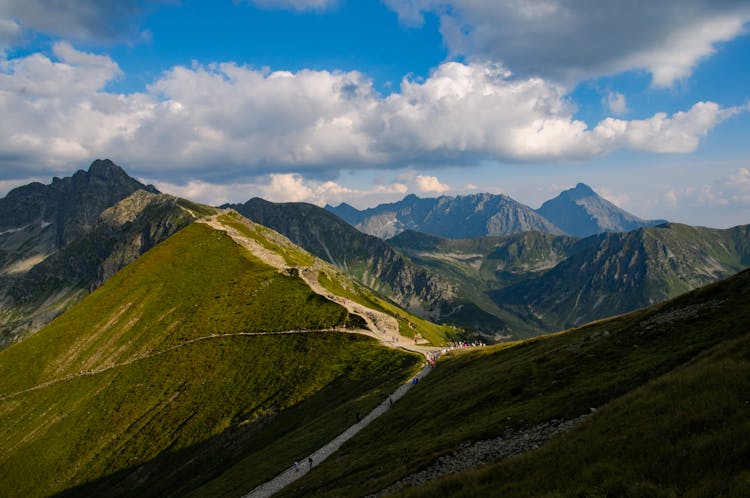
x,y
147,387
677,357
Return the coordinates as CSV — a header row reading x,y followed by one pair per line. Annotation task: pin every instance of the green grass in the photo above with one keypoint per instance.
x,y
89,427
135,407
683,434
196,283
479,394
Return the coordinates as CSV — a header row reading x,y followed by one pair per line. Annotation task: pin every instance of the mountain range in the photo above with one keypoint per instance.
x,y
516,285
578,212
555,282
188,350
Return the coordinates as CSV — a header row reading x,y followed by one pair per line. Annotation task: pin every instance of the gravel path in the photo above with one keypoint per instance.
x,y
381,326
291,474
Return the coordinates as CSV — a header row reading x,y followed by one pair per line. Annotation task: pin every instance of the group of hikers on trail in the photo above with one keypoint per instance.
x,y
296,464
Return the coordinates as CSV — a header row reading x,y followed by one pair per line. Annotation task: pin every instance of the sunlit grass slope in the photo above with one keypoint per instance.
x,y
670,382
337,282
141,388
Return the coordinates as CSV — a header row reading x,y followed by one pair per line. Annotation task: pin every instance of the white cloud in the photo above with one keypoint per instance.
x,y
430,184
616,103
732,191
670,196
572,40
281,187
298,5
250,122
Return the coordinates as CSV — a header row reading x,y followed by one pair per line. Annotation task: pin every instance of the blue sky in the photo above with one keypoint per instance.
x,y
365,101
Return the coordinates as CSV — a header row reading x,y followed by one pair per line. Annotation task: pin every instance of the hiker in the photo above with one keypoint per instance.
x,y
309,460
390,400
296,466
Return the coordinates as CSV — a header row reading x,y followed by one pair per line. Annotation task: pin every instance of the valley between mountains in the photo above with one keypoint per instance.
x,y
154,346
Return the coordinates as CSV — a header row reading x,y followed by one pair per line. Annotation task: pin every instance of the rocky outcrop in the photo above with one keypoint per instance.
x,y
510,444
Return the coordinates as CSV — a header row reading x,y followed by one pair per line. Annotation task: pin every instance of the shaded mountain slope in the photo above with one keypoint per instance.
x,y
615,273
457,217
479,266
155,383
552,282
668,383
581,212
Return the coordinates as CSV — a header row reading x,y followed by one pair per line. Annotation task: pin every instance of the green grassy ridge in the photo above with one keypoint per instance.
x,y
336,282
683,434
167,406
293,255
136,392
196,283
479,394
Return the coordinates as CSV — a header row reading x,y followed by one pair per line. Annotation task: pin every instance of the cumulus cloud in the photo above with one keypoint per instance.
x,y
297,5
56,110
281,187
90,20
732,191
571,40
616,103
430,184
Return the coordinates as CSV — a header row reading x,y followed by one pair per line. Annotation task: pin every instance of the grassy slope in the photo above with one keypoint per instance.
x,y
480,394
148,391
336,281
683,434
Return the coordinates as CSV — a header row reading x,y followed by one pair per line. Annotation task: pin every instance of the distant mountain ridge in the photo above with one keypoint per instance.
x,y
578,212
581,212
462,216
555,282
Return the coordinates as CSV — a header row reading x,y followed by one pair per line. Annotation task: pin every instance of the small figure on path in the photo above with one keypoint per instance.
x,y
415,381
309,460
296,466
390,400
